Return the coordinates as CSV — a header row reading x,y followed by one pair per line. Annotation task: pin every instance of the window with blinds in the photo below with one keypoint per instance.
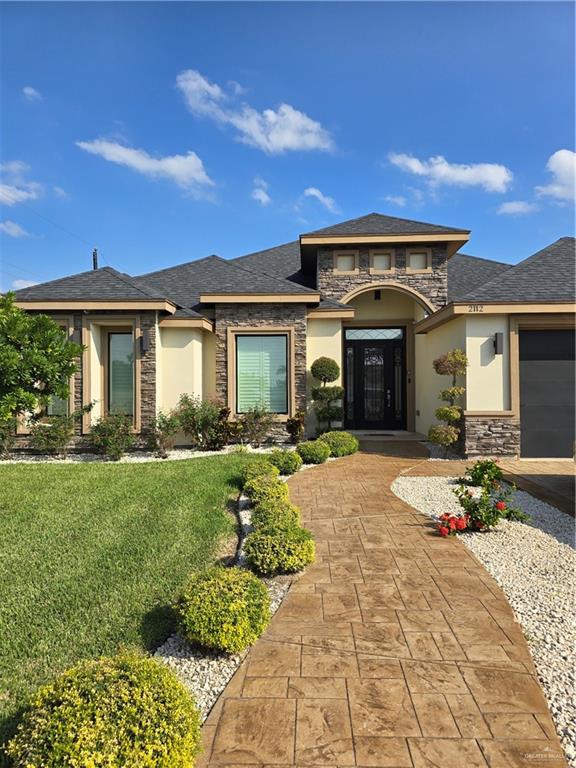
x,y
121,373
262,373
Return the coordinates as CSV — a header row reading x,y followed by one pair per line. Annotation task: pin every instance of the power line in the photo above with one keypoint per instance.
x,y
55,224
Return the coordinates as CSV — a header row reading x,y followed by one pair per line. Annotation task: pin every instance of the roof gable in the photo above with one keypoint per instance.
x,y
378,224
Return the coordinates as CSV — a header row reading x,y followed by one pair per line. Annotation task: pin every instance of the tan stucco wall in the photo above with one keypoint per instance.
x,y
96,363
392,306
428,383
488,375
323,339
180,354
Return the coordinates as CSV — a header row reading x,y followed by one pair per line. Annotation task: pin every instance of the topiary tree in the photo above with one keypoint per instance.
x,y
453,364
326,370
36,359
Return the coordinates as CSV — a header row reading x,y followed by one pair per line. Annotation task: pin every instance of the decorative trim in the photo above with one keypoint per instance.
x,y
496,414
454,240
427,269
259,298
337,254
448,312
182,322
268,330
116,304
392,285
382,252
330,314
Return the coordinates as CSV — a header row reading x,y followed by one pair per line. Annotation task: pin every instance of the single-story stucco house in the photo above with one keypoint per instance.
x,y
383,296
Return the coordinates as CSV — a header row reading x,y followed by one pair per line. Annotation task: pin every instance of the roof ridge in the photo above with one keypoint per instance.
x,y
483,258
177,266
129,280
305,289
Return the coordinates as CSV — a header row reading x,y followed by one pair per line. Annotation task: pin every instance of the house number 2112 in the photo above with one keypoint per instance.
x,y
475,308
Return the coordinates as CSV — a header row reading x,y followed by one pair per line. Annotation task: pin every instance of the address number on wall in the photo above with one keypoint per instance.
x,y
475,307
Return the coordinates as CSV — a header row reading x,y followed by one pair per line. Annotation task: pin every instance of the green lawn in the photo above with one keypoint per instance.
x,y
92,554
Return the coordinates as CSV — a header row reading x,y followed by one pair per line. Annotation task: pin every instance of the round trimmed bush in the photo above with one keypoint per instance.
x,y
314,451
264,490
258,468
275,550
127,710
223,608
340,443
287,462
278,515
325,369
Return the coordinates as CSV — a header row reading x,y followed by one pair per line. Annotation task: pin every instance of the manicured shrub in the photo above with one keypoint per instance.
x,y
340,443
112,435
224,608
279,550
485,472
263,490
163,433
255,425
453,364
295,427
53,434
314,451
259,468
326,398
281,514
127,710
287,462
325,369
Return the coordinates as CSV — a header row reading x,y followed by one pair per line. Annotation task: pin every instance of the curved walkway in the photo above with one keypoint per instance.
x,y
396,649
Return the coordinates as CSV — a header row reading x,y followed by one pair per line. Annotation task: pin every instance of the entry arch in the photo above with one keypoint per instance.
x,y
390,285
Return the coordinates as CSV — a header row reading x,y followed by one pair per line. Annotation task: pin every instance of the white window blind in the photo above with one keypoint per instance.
x,y
262,373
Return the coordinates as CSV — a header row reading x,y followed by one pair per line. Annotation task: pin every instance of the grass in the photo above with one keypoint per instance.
x,y
92,554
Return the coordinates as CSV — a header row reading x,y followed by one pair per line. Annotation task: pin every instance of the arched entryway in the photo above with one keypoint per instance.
x,y
378,357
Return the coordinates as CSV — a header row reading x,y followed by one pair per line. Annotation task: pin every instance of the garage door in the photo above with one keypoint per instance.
x,y
547,393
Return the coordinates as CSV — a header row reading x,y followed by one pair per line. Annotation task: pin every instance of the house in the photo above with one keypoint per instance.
x,y
381,295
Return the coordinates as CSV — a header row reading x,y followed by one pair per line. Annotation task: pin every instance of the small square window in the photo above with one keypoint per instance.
x,y
417,261
345,262
381,261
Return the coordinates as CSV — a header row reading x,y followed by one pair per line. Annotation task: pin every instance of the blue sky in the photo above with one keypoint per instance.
x,y
164,132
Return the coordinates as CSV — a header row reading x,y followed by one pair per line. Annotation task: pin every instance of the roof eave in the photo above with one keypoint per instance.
x,y
260,298
99,304
475,308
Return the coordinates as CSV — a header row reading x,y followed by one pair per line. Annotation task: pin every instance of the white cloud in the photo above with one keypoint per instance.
x,y
15,188
562,166
18,284
260,191
187,171
273,131
328,202
398,200
31,94
517,208
490,176
13,230
59,192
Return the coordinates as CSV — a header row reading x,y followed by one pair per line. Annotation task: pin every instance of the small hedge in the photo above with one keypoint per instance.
x,y
126,710
258,468
275,550
287,462
314,451
277,515
265,490
223,608
340,443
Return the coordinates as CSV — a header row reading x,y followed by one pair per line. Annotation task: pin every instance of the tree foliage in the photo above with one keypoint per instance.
x,y
36,360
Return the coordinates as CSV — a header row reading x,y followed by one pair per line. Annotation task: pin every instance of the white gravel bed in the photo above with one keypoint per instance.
x,y
534,563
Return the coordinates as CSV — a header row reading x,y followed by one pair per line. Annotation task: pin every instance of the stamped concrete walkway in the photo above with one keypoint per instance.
x,y
396,649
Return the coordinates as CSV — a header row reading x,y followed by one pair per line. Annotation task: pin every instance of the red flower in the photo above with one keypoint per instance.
x,y
452,523
445,516
443,531
500,506
461,524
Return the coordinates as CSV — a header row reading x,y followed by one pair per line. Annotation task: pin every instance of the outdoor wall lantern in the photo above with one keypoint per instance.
x,y
498,343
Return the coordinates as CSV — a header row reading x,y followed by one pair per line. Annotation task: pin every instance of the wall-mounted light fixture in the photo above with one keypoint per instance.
x,y
145,341
498,343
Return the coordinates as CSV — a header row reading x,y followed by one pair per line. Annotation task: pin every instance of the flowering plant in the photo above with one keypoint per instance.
x,y
450,524
486,508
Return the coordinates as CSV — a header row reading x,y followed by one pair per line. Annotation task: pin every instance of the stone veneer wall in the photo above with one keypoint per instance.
x,y
264,316
491,436
432,285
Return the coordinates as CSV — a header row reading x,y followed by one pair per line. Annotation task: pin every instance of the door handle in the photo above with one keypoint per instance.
x,y
388,398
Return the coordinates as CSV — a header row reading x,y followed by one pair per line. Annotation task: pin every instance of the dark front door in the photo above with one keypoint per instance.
x,y
375,378
547,385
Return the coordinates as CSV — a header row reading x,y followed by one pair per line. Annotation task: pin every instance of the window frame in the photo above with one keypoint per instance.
x,y
347,252
231,375
382,252
427,268
127,330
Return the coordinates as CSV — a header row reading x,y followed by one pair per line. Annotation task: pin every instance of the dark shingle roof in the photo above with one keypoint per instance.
x,y
378,224
185,282
280,261
465,273
103,283
547,276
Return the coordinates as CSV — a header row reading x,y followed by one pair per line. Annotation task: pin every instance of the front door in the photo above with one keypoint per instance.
x,y
375,380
